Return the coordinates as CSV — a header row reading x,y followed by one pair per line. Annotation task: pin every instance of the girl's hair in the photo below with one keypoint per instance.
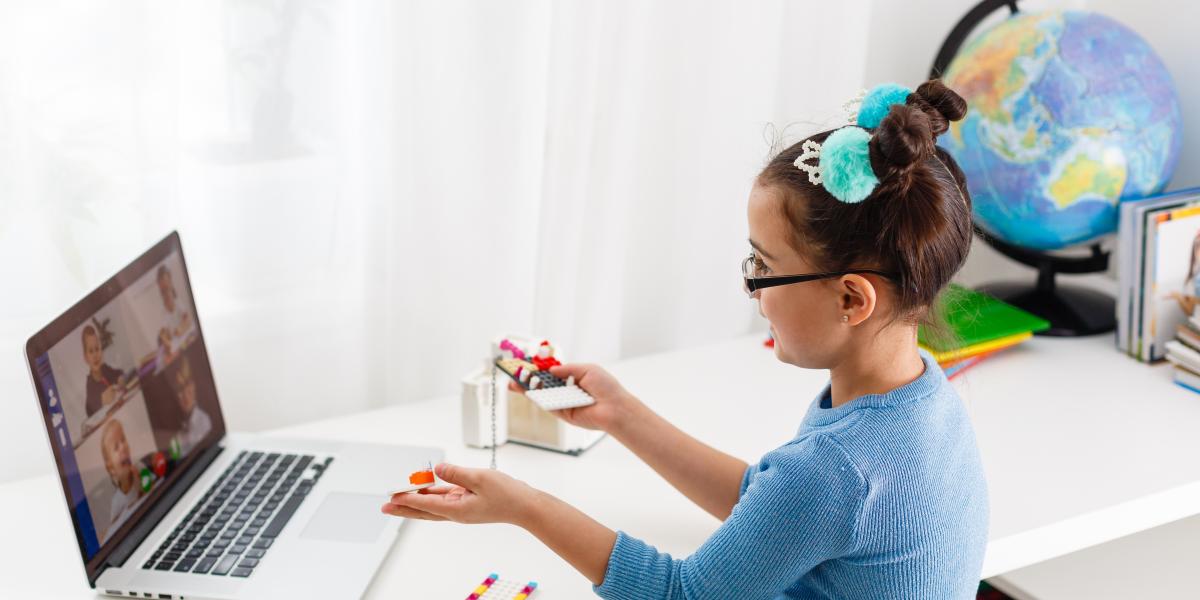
x,y
916,223
165,273
88,331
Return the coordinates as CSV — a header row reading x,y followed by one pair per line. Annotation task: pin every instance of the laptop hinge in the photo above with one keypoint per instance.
x,y
160,509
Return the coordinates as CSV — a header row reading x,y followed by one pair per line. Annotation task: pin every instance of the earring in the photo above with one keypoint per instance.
x,y
845,318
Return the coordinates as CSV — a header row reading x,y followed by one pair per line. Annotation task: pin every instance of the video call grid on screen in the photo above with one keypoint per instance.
x,y
128,395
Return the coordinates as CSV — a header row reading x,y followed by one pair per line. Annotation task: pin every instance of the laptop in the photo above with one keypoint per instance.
x,y
164,501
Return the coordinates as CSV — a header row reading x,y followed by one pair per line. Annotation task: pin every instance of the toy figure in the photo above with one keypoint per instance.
x,y
512,350
545,357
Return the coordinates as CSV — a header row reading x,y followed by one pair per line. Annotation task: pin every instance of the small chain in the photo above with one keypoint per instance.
x,y
494,368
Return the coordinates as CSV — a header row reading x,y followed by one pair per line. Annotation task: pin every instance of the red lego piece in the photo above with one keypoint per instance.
x,y
545,357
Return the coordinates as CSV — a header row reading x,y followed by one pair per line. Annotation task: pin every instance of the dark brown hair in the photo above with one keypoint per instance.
x,y
165,273
917,221
88,330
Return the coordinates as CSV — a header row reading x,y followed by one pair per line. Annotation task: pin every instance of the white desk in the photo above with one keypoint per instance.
x,y
1081,445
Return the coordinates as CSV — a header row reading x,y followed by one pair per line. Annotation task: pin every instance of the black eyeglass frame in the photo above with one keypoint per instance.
x,y
753,284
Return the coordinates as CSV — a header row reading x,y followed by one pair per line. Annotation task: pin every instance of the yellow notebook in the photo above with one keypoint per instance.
x,y
980,348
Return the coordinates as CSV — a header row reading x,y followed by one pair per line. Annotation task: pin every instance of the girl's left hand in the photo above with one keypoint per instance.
x,y
476,496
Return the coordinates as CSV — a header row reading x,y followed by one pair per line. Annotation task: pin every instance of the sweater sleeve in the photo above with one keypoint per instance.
x,y
799,509
746,477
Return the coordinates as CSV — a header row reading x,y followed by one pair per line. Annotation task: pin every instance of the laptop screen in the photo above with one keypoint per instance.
x,y
127,395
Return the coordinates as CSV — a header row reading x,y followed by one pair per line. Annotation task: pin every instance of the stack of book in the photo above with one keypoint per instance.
x,y
979,326
1158,243
1184,353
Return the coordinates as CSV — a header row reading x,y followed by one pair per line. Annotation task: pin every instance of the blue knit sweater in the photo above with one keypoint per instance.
x,y
881,497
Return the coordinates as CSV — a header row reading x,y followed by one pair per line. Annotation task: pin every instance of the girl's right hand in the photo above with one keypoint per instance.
x,y
613,402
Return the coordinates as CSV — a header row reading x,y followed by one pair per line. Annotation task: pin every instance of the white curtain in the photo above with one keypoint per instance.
x,y
368,191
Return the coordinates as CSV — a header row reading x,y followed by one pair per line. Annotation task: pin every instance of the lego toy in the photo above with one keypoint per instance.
x,y
545,357
494,588
511,349
421,477
543,388
418,480
493,415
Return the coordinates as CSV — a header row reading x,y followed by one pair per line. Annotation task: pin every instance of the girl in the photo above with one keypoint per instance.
x,y
1188,301
105,384
881,493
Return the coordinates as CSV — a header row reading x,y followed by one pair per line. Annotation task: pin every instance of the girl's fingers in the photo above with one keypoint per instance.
x,y
410,513
439,489
444,505
397,497
570,369
466,477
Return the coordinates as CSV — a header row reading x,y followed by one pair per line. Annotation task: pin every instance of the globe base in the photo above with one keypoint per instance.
x,y
1072,311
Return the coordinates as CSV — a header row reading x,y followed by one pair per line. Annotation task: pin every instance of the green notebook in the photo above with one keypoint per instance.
x,y
975,317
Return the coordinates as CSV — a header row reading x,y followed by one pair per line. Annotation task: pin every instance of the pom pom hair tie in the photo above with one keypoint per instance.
x,y
843,163
877,102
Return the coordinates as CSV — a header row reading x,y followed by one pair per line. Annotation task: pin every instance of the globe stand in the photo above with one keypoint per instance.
x,y
1071,310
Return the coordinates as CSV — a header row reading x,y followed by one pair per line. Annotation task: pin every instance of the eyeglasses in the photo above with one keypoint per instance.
x,y
754,281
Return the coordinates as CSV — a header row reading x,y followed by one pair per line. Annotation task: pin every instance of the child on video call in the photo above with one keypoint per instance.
x,y
104,383
179,321
196,423
881,493
127,490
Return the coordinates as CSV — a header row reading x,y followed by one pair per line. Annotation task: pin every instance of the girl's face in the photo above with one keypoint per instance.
x,y
806,318
116,457
187,398
167,291
92,352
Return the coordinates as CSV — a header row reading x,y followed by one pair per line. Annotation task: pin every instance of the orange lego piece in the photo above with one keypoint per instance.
x,y
420,477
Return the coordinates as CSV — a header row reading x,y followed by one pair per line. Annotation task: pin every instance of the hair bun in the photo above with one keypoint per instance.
x,y
941,104
904,136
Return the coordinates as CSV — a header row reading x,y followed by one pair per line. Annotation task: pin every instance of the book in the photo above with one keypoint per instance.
x,y
977,318
1187,378
1183,356
1137,253
945,356
1131,227
1190,337
1172,277
1134,216
956,368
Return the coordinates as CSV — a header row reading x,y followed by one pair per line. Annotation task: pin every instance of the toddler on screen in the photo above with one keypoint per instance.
x,y
127,491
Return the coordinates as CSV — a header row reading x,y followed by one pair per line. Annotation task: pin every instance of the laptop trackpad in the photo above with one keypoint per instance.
x,y
346,518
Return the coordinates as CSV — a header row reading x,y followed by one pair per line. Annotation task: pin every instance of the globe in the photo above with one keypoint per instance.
x,y
1069,113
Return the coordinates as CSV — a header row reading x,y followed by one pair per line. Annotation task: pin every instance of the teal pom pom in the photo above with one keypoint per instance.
x,y
846,165
879,101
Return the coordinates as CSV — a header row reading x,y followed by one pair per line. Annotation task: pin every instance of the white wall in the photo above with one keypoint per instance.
x,y
368,191
905,37
303,242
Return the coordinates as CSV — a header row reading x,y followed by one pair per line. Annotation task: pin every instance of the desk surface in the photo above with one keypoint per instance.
x,y
1081,445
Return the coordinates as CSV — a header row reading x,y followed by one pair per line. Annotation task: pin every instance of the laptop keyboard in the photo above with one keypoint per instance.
x,y
233,525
